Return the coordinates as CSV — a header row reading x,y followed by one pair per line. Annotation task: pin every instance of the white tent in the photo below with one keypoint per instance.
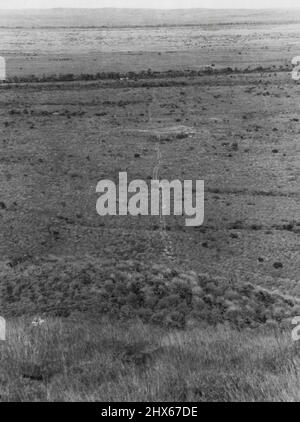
x,y
2,69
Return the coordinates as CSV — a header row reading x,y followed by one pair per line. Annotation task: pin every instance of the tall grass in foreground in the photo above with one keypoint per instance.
x,y
109,361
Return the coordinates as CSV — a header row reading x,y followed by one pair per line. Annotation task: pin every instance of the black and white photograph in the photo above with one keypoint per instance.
x,y
149,203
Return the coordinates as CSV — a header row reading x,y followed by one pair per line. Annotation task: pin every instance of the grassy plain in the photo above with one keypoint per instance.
x,y
106,361
235,128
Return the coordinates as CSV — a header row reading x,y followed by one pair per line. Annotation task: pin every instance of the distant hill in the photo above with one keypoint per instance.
x,y
141,17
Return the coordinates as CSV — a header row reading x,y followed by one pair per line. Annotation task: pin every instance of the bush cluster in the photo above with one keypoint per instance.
x,y
143,74
132,289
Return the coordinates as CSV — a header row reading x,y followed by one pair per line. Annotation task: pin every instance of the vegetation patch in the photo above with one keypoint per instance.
x,y
131,289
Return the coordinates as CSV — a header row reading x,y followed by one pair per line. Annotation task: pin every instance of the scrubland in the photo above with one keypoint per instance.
x,y
206,317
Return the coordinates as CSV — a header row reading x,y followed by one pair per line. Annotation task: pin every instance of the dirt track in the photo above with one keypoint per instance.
x,y
57,142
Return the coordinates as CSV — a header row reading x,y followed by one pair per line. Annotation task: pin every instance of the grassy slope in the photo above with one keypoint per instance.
x,y
100,359
87,361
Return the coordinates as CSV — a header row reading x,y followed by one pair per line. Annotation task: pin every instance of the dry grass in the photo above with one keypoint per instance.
x,y
65,360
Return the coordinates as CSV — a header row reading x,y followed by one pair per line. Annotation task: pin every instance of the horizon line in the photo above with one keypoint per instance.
x,y
150,8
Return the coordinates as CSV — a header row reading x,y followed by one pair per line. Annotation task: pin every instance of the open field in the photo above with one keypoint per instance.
x,y
58,41
92,50
59,140
227,113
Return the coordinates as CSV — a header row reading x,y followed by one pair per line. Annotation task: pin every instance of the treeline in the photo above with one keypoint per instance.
x,y
148,74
